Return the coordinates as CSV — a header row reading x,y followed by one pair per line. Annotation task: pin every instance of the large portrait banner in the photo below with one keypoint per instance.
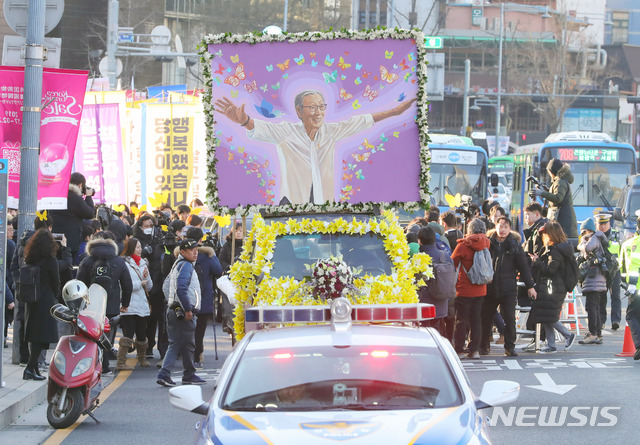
x,y
316,121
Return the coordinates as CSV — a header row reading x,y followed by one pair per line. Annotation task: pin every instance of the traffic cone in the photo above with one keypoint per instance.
x,y
628,347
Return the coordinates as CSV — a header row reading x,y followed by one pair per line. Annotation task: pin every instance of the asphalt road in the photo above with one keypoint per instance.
x,y
588,393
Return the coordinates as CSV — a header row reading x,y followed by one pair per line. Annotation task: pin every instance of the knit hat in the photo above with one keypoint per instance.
x,y
588,224
554,166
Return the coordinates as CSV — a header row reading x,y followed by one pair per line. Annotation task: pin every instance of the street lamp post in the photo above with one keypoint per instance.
x,y
497,146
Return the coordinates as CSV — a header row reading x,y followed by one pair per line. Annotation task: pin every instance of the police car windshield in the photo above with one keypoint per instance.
x,y
295,254
354,377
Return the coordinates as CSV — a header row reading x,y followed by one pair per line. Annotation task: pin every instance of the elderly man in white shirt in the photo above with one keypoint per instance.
x,y
306,148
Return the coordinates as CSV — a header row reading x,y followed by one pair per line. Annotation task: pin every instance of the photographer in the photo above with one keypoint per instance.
x,y
209,270
594,286
183,292
79,207
559,197
151,240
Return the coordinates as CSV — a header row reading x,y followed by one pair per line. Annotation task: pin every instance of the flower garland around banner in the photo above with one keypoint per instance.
x,y
253,38
255,287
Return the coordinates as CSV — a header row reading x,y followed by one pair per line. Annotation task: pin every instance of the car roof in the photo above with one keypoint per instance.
x,y
322,335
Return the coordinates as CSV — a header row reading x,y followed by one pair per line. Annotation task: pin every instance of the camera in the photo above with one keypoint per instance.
x,y
58,236
147,250
180,315
169,238
88,191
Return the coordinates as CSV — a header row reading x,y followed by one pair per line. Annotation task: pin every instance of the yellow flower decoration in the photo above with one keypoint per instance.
x,y
398,287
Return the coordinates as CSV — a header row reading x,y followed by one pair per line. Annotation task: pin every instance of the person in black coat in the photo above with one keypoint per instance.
x,y
79,207
209,270
65,270
103,246
150,236
40,327
508,260
549,270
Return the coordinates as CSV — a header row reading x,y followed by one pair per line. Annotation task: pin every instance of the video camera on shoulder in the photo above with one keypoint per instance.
x,y
169,237
464,207
104,215
211,240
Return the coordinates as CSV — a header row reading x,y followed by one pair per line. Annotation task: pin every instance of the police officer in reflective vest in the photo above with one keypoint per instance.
x,y
604,225
630,268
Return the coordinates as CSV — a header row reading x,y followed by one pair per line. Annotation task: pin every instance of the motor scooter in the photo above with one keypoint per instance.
x,y
75,372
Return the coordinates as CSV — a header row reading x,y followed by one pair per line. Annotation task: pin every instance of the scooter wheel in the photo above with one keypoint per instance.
x,y
71,411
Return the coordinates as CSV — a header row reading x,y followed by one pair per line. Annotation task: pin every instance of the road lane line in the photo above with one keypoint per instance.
x,y
59,435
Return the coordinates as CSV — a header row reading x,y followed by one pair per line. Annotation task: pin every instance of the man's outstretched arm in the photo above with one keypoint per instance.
x,y
396,111
234,113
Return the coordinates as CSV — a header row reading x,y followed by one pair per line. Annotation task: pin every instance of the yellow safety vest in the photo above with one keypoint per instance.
x,y
630,260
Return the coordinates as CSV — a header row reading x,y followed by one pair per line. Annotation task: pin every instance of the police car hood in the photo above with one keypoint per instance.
x,y
427,426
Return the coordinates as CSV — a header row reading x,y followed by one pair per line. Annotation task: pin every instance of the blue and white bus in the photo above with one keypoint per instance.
x,y
457,166
599,165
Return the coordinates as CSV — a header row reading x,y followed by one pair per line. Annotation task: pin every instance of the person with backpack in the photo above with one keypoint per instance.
x,y
134,317
614,279
40,279
508,260
103,266
594,284
473,260
442,288
550,270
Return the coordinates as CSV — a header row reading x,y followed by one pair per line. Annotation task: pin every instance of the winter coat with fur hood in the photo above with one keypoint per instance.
x,y
561,202
70,221
120,292
463,254
138,304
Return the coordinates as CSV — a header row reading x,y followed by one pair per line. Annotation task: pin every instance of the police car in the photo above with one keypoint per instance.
x,y
358,374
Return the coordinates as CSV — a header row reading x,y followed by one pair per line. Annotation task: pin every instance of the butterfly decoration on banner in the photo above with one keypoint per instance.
x,y
222,220
235,78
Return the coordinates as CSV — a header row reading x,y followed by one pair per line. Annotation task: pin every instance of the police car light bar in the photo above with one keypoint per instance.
x,y
366,313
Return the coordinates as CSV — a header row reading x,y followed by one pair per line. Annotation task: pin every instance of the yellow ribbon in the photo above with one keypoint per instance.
x,y
42,215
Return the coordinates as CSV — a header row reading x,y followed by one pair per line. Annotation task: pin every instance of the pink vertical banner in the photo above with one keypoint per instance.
x,y
99,152
62,101
88,159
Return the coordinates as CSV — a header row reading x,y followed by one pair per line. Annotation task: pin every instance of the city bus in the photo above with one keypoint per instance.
x,y
503,167
599,165
457,166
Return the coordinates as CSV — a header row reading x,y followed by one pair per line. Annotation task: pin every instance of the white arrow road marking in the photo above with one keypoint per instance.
x,y
547,384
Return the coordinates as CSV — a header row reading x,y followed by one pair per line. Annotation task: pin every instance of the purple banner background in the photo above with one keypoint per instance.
x,y
99,152
380,164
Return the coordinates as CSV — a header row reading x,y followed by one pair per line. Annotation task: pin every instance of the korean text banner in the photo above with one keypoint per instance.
x,y
99,153
63,95
168,159
316,121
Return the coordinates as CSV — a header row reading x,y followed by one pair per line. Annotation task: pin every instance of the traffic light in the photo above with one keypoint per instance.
x,y
522,140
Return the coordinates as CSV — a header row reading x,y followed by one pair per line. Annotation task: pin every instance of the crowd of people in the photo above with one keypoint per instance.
x,y
160,271
544,262
130,253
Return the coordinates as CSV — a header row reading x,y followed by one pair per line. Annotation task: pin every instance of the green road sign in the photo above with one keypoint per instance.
x,y
433,42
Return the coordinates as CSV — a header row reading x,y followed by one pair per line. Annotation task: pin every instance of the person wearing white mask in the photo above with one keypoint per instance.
x,y
150,237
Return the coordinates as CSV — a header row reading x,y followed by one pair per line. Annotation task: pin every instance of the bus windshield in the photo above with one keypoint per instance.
x,y
598,184
447,179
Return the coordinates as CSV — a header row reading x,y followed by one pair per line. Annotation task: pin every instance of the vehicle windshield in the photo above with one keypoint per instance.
x,y
352,377
594,181
452,179
633,204
363,253
97,307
